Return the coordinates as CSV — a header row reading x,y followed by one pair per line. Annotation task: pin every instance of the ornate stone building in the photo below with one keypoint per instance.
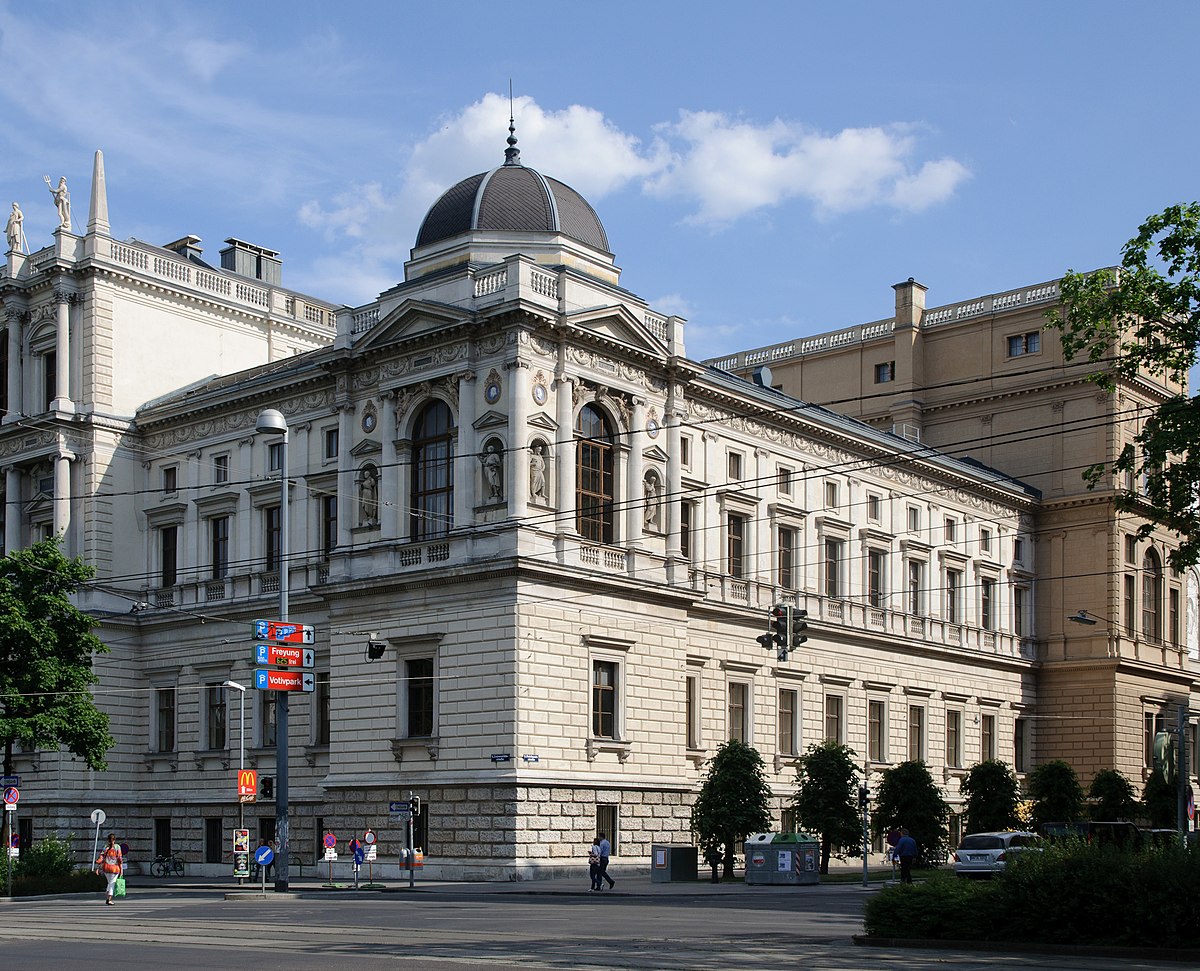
x,y
559,535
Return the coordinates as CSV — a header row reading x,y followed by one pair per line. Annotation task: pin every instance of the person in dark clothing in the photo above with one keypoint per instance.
x,y
605,852
906,849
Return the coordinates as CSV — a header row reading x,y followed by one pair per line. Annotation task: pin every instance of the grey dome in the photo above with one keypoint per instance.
x,y
512,198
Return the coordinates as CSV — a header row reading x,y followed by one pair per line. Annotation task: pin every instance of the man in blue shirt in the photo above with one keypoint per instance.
x,y
605,853
906,849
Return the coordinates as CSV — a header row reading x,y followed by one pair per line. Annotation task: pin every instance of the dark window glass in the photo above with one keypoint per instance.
x,y
604,699
420,697
594,471
271,525
432,509
220,546
169,537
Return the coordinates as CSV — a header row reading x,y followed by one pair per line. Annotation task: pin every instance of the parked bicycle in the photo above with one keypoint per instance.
x,y
167,865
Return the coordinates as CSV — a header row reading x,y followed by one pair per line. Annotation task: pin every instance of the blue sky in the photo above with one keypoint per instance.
x,y
767,170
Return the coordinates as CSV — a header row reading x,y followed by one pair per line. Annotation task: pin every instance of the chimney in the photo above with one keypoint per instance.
x,y
256,262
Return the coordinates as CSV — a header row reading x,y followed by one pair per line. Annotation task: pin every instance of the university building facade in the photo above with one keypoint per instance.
x,y
559,533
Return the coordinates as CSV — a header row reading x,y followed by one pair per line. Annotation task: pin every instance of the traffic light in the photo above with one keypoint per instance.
x,y
863,795
1164,756
266,786
781,627
416,805
375,650
799,626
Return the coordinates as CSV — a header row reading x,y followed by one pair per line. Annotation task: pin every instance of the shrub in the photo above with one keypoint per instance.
x,y
80,881
942,907
49,857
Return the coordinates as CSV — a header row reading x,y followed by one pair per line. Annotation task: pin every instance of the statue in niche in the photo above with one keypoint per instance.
x,y
62,201
537,473
650,497
368,497
14,230
493,471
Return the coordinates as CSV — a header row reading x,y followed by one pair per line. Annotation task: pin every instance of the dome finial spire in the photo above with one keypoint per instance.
x,y
512,154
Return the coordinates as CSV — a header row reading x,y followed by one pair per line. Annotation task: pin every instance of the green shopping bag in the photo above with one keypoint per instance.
x,y
119,887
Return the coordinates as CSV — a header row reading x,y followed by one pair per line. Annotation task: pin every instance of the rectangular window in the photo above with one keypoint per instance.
x,y
877,731
735,466
219,547
49,379
267,711
214,840
739,694
787,554
320,702
1020,609
329,524
914,519
833,568
916,587
685,529
876,574
1130,603
834,719
164,720
954,739
874,508
1131,549
784,480
170,479
692,700
1154,722
608,824
987,596
330,439
736,552
1173,619
162,836
953,595
1020,745
985,540
168,538
1193,754
215,710
949,527
885,373
220,469
1018,551
916,733
275,457
987,738
831,495
788,718
272,532
1022,344
418,673
604,699
685,451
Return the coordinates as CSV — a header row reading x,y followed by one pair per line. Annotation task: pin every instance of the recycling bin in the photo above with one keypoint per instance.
x,y
672,863
787,859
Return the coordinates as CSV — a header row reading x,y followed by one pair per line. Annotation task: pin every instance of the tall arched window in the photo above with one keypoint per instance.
x,y
594,477
1152,591
433,472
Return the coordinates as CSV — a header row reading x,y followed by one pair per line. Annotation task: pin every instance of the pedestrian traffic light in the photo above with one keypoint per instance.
x,y
799,626
416,806
266,786
863,795
781,624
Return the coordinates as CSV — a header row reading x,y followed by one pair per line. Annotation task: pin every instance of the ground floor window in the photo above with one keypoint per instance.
x,y
606,823
162,837
214,840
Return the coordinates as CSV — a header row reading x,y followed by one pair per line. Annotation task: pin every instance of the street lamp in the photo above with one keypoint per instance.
x,y
1081,617
241,688
271,422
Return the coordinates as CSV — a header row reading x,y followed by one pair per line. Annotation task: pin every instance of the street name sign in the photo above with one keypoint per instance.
x,y
285,655
278,630
284,680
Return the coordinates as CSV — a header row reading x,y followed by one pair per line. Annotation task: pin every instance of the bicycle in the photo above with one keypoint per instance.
x,y
164,865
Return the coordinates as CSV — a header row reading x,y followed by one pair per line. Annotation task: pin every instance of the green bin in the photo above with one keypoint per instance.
x,y
782,859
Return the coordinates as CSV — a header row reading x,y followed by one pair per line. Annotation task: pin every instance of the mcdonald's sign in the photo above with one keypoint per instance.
x,y
247,785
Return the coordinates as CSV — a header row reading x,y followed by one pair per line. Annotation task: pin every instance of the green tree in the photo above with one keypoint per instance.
x,y
992,794
46,650
1056,793
734,800
1159,798
907,797
826,798
1145,321
1112,797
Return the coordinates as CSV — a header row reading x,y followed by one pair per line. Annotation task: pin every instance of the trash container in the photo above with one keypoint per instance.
x,y
670,863
788,859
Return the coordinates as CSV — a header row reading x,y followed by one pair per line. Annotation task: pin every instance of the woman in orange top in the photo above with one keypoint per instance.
x,y
109,864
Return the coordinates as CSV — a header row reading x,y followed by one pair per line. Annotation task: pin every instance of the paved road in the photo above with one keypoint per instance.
x,y
500,927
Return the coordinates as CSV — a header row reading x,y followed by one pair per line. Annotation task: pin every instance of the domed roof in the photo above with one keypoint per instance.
x,y
512,198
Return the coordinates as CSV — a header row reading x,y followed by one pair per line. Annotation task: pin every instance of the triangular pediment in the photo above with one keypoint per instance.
x,y
655,453
541,420
366,447
411,319
621,324
490,419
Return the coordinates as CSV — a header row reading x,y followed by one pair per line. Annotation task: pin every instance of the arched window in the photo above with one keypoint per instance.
x,y
1152,591
433,472
594,477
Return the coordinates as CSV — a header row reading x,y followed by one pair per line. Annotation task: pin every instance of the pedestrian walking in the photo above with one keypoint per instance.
x,y
906,849
605,848
108,863
594,865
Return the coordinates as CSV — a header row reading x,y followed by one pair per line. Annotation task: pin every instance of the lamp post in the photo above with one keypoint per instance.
x,y
271,422
241,689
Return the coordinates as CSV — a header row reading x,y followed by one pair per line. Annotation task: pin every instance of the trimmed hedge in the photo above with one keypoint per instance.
x,y
33,885
1071,893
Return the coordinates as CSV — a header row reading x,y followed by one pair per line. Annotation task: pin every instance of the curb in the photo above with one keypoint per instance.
x,y
1181,955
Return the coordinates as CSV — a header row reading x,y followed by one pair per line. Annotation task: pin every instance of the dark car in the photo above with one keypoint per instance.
x,y
1102,833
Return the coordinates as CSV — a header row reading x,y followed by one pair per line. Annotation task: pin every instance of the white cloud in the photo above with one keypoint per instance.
x,y
730,168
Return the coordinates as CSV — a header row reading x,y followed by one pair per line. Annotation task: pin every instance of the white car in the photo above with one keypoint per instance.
x,y
985,854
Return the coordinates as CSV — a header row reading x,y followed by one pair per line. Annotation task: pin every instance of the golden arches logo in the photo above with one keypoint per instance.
x,y
247,780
